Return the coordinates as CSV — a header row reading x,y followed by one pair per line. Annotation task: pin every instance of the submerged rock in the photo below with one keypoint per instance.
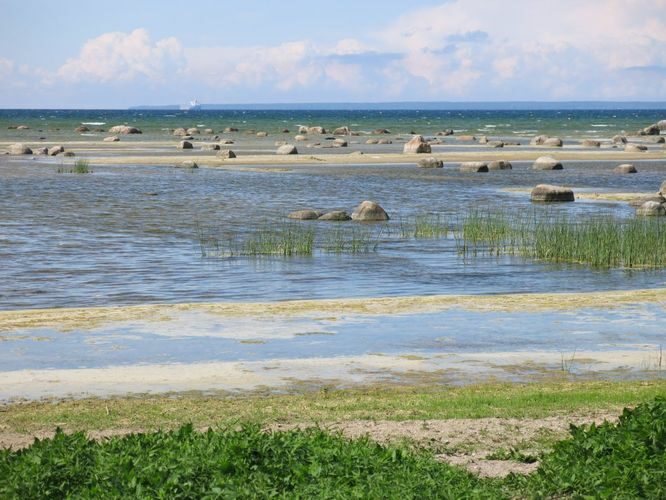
x,y
466,138
625,168
417,145
500,165
473,166
69,154
304,214
651,209
547,163
335,215
369,211
550,193
287,149
431,162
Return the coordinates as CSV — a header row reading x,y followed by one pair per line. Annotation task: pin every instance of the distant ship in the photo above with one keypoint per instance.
x,y
192,106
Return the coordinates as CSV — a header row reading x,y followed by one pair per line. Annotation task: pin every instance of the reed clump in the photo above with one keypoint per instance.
x,y
80,167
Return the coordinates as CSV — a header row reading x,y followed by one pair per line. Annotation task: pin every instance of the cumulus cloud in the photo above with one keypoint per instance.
x,y
122,57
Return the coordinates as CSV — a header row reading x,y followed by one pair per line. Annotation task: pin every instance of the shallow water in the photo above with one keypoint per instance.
x,y
130,235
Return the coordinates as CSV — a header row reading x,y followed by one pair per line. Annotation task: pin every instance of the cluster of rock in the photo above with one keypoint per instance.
x,y
21,149
651,205
367,211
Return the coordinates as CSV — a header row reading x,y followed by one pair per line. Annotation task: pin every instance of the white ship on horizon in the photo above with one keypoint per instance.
x,y
192,106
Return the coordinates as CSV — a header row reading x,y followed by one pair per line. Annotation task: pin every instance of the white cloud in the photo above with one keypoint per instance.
x,y
122,57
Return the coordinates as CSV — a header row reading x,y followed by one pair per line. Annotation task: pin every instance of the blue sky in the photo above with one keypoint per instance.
x,y
88,54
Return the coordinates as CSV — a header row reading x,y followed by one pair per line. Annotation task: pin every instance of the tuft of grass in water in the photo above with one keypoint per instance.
x,y
424,226
286,240
601,243
351,240
80,166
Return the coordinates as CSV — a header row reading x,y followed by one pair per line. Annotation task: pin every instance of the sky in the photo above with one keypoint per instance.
x,y
83,54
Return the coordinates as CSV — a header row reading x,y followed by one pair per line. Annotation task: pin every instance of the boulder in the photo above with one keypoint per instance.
x,y
635,148
619,139
41,151
637,202
124,129
547,163
499,165
651,209
56,150
662,188
445,132
311,130
473,166
625,168
287,149
209,131
210,147
483,140
335,215
227,141
69,154
285,130
340,143
300,137
495,144
656,139
187,138
262,134
229,130
193,131
189,164
82,128
549,193
22,127
304,214
553,142
369,211
19,149
372,141
342,131
538,140
466,138
184,145
661,124
650,130
590,143
384,141
380,131
431,162
113,138
226,153
417,145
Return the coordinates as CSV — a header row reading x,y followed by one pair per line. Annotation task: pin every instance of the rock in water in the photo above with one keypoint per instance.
x,y
369,211
431,162
124,129
651,209
590,143
553,142
287,149
625,168
619,139
180,132
184,145
189,164
210,147
473,166
335,215
81,129
19,149
55,150
548,193
340,143
226,153
417,145
304,214
113,138
635,148
547,163
342,131
499,165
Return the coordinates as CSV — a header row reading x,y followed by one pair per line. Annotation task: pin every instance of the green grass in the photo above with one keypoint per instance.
x,y
80,167
350,240
623,460
372,403
603,243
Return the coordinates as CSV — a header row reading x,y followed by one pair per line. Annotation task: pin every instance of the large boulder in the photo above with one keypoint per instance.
x,y
124,129
184,145
226,153
417,145
262,134
335,215
650,130
340,143
19,149
547,163
651,209
42,151
662,188
619,139
474,166
499,165
590,143
193,131
641,200
549,193
342,131
661,124
538,140
431,162
635,148
287,149
553,142
56,150
304,214
625,168
180,132
369,211
210,147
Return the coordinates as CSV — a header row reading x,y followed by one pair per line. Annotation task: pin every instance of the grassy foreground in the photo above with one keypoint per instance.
x,y
623,460
374,403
